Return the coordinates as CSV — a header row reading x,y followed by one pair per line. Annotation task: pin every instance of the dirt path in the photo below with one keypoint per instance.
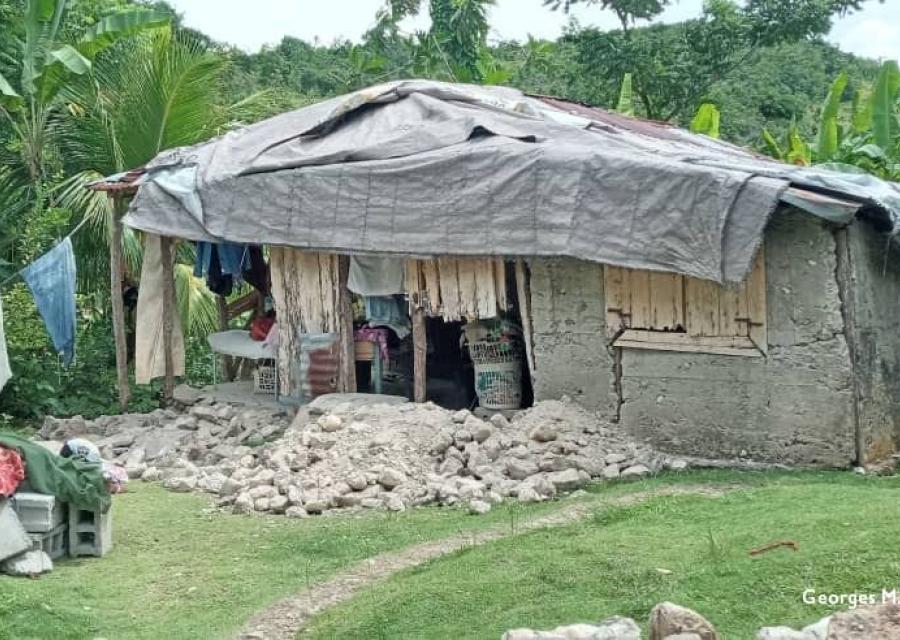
x,y
286,618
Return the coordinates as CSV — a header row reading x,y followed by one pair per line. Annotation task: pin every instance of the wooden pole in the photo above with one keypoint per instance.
x,y
116,276
168,270
347,379
420,351
227,361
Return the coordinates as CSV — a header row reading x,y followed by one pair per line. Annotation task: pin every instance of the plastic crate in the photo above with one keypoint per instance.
x,y
265,379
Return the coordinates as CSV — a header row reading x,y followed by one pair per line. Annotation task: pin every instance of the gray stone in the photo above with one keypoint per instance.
x,y
181,484
866,623
389,478
521,469
543,433
278,503
231,486
331,423
528,494
13,538
479,507
499,421
567,480
668,619
615,458
316,506
610,472
461,416
212,483
678,465
637,470
618,628
296,512
30,563
783,633
393,502
187,423
243,504
684,636
357,481
262,491
520,634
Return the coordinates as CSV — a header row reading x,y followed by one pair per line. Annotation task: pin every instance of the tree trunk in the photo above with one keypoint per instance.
x,y
420,352
168,318
116,275
347,382
227,361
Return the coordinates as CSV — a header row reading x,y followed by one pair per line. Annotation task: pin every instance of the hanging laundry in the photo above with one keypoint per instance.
x,y
388,311
51,279
223,265
376,276
5,373
150,354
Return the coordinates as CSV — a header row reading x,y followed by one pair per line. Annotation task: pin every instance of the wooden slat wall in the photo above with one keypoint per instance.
x,y
666,302
457,288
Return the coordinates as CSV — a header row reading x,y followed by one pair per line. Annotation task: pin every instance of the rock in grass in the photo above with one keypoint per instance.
x,y
783,633
30,563
479,507
866,623
668,619
635,471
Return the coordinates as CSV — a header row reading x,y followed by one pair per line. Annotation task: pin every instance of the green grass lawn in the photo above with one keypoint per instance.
x,y
846,527
178,572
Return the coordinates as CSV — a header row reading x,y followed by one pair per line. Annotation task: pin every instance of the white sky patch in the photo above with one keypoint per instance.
x,y
249,24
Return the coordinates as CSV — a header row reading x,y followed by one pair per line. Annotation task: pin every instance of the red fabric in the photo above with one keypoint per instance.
x,y
260,328
12,471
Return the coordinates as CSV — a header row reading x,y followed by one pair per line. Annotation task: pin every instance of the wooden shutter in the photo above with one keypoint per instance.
x,y
684,313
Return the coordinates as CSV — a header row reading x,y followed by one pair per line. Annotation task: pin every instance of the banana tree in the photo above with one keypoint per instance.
x,y
867,139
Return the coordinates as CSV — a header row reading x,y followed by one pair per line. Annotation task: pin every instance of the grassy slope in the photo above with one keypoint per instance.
x,y
177,572
845,527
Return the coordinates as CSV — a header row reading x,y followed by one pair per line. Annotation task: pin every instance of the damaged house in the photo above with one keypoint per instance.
x,y
710,301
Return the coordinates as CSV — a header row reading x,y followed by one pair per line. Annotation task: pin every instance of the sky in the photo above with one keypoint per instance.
x,y
873,32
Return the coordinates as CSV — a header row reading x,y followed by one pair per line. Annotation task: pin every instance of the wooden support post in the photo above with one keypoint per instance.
x,y
116,276
420,351
168,270
227,361
347,378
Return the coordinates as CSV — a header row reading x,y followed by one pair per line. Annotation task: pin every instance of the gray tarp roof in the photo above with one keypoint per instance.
x,y
428,168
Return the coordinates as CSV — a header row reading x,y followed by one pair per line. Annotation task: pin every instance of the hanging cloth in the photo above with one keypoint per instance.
x,y
376,275
150,354
5,373
51,279
223,265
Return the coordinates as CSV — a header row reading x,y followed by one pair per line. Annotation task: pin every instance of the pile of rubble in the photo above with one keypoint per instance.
x,y
371,456
672,622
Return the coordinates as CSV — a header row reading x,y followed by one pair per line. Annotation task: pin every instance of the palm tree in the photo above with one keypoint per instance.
x,y
155,92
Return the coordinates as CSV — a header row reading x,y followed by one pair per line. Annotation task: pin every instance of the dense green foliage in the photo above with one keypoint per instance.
x,y
91,87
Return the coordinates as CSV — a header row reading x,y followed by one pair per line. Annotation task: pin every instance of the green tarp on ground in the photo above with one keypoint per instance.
x,y
73,481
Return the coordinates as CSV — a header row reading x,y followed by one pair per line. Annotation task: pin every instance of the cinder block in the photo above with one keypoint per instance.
x,y
90,532
53,543
13,538
38,512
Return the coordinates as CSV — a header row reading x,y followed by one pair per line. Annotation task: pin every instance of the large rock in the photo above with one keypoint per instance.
x,y
389,478
866,623
668,619
568,480
30,563
783,633
13,538
615,628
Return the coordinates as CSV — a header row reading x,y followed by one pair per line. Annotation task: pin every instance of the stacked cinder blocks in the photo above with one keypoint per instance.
x,y
44,518
90,532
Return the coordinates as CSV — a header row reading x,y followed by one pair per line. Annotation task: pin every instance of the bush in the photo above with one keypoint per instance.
x,y
42,386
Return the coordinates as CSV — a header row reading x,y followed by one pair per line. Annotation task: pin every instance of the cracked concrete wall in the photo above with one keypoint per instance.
x,y
569,325
796,406
870,277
